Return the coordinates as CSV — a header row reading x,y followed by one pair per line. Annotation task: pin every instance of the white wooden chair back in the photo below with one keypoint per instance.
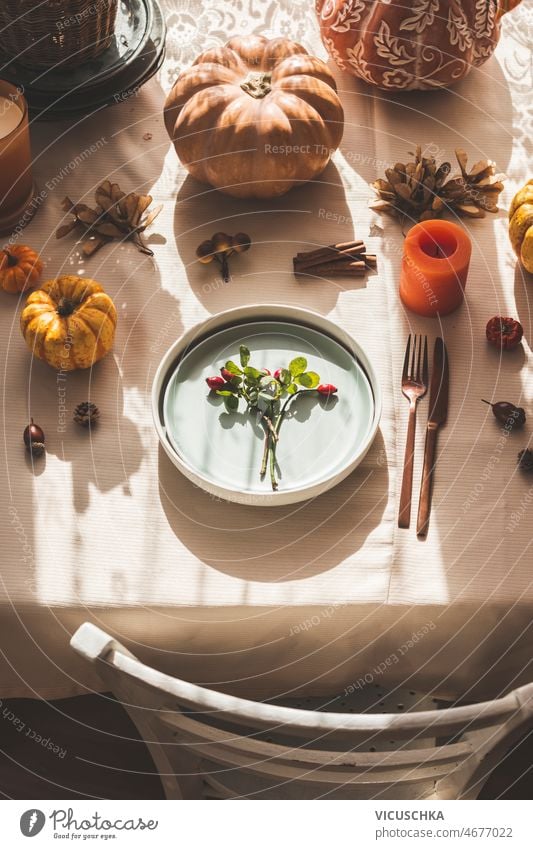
x,y
209,744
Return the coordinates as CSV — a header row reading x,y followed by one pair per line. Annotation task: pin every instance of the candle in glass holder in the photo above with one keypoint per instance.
x,y
16,182
434,267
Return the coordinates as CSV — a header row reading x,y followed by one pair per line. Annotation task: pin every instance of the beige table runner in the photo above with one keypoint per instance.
x,y
106,529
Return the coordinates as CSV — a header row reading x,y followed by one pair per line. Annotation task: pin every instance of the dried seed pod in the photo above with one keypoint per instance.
x,y
206,251
241,242
221,242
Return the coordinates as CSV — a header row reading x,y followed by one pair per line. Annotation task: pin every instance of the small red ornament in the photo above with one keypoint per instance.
x,y
504,333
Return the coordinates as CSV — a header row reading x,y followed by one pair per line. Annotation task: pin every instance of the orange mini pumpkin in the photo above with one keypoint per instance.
x,y
20,268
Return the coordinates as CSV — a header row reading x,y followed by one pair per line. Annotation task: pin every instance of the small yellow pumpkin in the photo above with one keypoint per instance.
x,y
521,225
20,268
69,322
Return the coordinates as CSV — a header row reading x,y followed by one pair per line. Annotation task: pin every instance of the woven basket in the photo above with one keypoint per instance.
x,y
55,32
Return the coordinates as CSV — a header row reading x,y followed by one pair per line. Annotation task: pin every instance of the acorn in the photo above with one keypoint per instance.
x,y
34,439
508,414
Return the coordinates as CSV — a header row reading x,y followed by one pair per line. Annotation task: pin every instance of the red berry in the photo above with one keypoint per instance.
x,y
277,374
215,382
227,375
326,389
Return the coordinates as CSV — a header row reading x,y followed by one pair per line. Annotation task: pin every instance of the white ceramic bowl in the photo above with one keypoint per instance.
x,y
241,316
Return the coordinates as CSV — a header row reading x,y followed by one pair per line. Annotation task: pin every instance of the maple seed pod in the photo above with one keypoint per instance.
x,y
215,382
205,252
326,389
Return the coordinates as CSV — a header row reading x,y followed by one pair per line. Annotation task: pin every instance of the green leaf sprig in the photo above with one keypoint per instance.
x,y
267,396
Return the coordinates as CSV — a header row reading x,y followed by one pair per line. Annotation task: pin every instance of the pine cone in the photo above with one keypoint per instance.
x,y
411,190
475,192
418,190
525,460
86,414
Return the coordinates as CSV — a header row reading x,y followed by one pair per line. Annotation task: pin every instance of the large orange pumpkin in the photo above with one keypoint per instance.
x,y
255,117
420,45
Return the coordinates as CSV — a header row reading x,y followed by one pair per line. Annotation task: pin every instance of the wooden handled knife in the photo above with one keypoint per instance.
x,y
438,411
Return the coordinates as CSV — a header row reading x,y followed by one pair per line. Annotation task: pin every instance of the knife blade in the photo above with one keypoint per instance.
x,y
438,393
438,413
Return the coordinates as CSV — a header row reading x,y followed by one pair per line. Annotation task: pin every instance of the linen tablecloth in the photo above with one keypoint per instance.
x,y
324,595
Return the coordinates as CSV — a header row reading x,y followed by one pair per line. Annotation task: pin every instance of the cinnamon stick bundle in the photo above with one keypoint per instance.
x,y
348,258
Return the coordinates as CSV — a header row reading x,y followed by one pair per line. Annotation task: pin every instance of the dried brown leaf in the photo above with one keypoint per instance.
x,y
129,205
462,159
117,216
143,202
469,210
150,218
88,216
102,195
64,229
92,245
106,228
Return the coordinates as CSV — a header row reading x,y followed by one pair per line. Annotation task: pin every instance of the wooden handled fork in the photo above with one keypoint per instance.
x,y
415,380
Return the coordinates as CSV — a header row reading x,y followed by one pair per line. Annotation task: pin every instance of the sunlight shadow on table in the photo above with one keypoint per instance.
x,y
279,228
109,454
277,544
476,114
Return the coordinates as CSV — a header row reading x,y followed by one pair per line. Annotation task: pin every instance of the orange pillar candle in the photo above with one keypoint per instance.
x,y
16,183
434,267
